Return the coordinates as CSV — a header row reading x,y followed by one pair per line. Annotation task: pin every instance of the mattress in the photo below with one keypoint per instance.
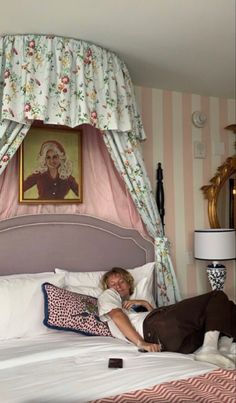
x,y
64,367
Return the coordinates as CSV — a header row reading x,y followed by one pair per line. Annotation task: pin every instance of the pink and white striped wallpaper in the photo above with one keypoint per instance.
x,y
170,140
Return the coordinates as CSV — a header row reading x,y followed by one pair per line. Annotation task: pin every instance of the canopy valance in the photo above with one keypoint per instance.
x,y
67,82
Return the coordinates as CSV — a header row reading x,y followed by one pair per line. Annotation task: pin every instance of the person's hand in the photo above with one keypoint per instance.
x,y
141,302
150,347
130,302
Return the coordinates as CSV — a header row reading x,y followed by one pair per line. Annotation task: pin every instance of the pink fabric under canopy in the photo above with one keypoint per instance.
x,y
104,192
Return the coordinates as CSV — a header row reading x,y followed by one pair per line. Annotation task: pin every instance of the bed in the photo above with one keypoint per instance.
x,y
48,364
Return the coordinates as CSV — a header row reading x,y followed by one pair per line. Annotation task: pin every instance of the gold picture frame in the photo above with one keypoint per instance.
x,y
51,165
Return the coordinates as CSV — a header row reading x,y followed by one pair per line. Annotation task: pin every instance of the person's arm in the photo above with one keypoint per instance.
x,y
130,302
123,323
30,181
73,185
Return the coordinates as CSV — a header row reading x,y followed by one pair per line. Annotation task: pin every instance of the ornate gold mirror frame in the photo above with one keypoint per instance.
x,y
211,192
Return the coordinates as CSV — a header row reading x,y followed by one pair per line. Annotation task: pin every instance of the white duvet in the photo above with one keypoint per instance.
x,y
64,367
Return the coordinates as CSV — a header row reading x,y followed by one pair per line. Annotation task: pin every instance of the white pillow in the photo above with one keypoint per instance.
x,y
27,275
22,304
90,291
89,282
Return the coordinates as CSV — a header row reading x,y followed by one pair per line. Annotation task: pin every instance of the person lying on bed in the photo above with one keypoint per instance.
x,y
182,327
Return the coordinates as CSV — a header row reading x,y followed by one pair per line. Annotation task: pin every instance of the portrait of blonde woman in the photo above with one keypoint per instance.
x,y
52,177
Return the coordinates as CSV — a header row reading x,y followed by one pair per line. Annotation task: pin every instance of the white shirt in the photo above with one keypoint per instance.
x,y
110,299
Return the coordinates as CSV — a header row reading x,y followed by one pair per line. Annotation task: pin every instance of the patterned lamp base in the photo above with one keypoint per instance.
x,y
216,275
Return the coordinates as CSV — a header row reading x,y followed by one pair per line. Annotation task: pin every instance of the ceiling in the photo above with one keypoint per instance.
x,y
181,45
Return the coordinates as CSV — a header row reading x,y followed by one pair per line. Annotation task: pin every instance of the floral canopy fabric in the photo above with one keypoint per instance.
x,y
71,82
67,82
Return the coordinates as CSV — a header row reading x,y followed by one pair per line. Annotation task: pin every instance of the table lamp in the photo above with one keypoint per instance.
x,y
215,245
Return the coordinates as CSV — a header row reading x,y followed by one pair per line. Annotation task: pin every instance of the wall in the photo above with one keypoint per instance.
x,y
170,140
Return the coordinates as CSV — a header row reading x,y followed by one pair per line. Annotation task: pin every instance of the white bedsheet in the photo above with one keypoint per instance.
x,y
64,367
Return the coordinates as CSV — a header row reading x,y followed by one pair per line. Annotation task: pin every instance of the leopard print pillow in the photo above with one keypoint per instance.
x,y
67,310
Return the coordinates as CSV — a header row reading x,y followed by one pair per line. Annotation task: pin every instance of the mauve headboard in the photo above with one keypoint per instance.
x,y
38,243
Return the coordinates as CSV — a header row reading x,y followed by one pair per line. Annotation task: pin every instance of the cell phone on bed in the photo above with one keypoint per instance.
x,y
142,350
115,363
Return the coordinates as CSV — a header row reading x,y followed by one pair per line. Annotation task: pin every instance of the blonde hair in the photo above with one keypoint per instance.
x,y
65,168
124,273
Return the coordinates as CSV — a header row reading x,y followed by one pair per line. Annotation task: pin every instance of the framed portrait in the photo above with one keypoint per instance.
x,y
51,165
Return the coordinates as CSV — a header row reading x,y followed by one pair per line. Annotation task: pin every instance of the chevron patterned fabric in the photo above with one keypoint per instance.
x,y
218,386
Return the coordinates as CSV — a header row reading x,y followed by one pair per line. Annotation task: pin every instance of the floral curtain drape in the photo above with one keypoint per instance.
x,y
11,136
129,163
71,82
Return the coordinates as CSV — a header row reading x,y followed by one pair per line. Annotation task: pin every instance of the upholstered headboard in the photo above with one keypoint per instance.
x,y
39,243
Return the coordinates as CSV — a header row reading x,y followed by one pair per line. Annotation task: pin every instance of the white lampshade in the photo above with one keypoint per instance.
x,y
215,244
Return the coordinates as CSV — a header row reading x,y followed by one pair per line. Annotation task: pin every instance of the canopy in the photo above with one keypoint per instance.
x,y
71,82
67,82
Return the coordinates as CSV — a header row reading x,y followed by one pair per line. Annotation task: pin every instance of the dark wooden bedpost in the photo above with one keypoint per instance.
x,y
160,197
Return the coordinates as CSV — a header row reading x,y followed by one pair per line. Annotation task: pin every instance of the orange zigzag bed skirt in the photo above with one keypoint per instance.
x,y
218,386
